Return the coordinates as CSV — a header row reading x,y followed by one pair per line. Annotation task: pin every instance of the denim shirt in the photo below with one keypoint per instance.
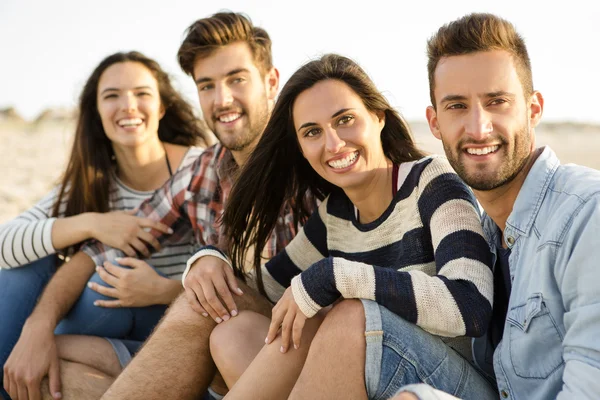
x,y
551,343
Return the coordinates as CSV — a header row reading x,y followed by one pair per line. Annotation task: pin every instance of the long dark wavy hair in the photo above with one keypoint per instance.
x,y
277,175
85,184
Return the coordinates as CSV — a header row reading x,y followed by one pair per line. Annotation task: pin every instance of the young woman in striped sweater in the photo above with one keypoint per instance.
x,y
396,229
133,132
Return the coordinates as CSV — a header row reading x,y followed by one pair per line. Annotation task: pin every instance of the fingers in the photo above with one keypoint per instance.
x,y
131,262
109,303
128,250
113,269
54,378
148,238
148,223
194,303
297,329
232,282
106,277
276,321
286,330
140,246
212,304
103,290
225,294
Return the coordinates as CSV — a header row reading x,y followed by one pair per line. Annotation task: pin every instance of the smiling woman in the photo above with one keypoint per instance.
x,y
396,229
133,132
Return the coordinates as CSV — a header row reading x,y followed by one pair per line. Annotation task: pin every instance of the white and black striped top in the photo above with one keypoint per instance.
x,y
28,237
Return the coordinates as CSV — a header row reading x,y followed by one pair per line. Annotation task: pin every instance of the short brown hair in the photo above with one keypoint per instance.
x,y
478,32
206,35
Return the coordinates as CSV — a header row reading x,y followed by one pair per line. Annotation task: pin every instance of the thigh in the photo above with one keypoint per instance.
x,y
93,351
400,353
20,289
145,320
87,319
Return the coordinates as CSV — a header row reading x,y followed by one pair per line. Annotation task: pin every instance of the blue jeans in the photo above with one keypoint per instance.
x,y
400,353
21,287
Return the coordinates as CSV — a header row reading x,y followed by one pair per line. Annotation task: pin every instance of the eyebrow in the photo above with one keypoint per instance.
x,y
230,73
307,124
490,95
116,89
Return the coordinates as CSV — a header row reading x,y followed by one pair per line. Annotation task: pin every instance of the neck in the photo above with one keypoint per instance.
x,y
373,198
144,167
241,156
498,203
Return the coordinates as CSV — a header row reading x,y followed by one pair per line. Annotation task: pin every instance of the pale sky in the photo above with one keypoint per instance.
x,y
48,48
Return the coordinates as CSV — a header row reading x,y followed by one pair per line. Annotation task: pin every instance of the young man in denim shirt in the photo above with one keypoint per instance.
x,y
542,218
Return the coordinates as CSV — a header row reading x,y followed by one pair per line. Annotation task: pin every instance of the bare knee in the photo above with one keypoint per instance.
x,y
344,323
232,337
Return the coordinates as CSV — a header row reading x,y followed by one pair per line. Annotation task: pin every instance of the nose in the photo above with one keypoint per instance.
x,y
129,103
223,96
479,123
333,142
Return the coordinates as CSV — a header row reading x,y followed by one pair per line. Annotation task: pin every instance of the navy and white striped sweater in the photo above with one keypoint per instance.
x,y
425,259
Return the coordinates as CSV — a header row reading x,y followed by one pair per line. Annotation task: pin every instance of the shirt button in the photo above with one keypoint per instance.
x,y
504,394
510,240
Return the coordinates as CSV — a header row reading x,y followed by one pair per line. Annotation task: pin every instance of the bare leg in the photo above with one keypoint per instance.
x,y
175,362
271,375
92,351
79,382
335,366
235,343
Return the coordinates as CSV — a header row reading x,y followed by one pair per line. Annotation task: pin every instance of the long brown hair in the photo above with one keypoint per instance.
x,y
276,174
85,184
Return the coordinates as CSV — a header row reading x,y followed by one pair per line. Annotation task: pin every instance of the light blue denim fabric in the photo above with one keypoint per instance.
x,y
400,353
551,343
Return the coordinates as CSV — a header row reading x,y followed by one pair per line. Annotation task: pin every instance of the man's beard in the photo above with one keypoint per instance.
x,y
257,122
512,163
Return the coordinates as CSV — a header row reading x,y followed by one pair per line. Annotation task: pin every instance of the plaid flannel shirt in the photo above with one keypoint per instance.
x,y
194,198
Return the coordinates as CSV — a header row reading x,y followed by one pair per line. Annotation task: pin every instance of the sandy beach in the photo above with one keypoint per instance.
x,y
34,155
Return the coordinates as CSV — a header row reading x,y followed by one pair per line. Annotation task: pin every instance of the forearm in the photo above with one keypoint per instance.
x,y
72,230
63,290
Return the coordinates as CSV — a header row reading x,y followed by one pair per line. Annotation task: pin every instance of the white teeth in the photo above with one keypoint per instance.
x,y
229,117
130,122
344,162
482,151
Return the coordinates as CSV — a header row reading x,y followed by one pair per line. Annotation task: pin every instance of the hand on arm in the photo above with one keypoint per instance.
x,y
119,229
137,286
35,355
209,284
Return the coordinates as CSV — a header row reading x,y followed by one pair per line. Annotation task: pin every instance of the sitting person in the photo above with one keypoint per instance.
x,y
396,229
134,131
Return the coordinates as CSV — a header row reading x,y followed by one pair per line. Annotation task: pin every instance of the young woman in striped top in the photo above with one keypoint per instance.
x,y
396,229
133,132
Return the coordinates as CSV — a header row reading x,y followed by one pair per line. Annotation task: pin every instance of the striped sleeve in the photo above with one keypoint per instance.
x,y
453,300
28,237
307,247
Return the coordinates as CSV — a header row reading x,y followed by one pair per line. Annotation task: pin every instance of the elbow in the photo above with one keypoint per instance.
x,y
477,319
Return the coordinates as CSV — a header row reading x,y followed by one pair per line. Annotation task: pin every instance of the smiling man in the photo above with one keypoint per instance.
x,y
542,218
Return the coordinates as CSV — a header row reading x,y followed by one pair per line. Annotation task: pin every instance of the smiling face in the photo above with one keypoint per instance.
x,y
483,118
129,104
338,136
234,96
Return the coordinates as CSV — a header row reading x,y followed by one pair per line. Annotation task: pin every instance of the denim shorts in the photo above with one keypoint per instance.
x,y
124,349
399,353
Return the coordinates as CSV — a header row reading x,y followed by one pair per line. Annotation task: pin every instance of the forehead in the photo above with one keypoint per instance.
x,y
475,74
223,60
125,75
322,100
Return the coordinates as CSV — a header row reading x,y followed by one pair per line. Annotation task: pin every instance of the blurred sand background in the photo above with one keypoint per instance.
x,y
34,153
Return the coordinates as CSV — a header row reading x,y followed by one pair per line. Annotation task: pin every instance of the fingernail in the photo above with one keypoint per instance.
x,y
170,231
205,314
98,268
240,291
266,340
58,395
90,285
234,313
96,303
282,349
226,318
118,258
218,320
296,346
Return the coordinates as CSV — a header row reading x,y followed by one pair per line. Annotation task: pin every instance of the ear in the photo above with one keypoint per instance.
x,y
432,120
161,112
381,119
536,108
272,82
